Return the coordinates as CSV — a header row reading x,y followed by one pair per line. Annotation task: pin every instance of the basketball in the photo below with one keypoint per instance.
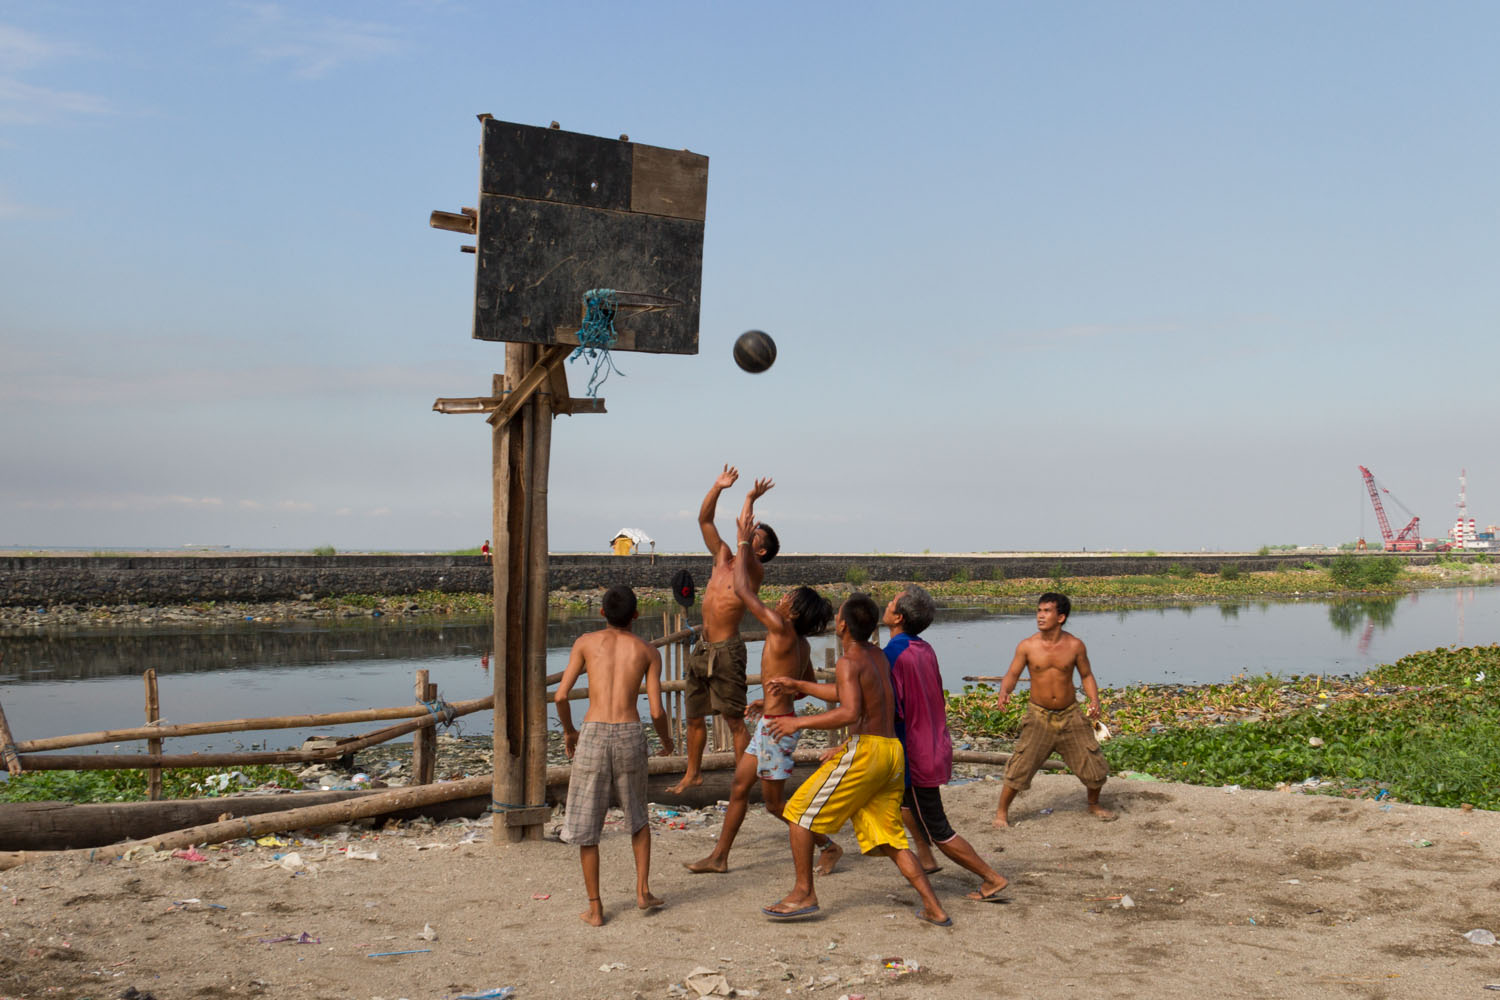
x,y
754,351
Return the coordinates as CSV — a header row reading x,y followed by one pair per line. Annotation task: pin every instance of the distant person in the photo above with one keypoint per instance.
x,y
922,726
1052,719
484,550
715,675
799,614
609,752
860,781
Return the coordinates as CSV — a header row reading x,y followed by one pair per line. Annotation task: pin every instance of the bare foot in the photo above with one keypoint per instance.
x,y
989,892
649,902
594,915
1002,822
828,859
1104,814
707,866
685,784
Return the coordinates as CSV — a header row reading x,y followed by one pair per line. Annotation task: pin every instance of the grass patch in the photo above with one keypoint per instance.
x,y
130,786
1425,730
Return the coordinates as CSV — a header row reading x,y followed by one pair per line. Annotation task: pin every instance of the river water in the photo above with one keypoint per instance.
x,y
57,682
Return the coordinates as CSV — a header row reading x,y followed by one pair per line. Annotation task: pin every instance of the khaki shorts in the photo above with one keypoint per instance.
x,y
715,681
1065,731
608,763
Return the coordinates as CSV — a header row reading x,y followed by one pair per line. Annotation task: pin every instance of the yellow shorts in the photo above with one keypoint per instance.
x,y
862,785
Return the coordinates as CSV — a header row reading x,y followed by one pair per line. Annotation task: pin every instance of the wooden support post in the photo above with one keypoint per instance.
x,y
508,438
153,714
538,471
424,741
8,744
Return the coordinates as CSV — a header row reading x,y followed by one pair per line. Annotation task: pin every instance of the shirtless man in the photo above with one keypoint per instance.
x,y
799,613
716,666
860,781
1052,720
609,752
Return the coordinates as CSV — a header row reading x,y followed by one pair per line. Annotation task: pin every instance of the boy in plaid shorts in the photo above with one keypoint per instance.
x,y
609,752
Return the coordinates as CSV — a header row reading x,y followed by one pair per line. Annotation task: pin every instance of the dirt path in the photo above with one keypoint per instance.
x,y
1237,894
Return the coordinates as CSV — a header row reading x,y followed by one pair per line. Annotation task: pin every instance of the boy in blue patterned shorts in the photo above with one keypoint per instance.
x,y
786,653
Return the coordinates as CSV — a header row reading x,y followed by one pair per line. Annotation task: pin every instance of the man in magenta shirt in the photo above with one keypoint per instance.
x,y
922,725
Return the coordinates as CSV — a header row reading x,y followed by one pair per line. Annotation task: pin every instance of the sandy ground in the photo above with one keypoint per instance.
x,y
1236,893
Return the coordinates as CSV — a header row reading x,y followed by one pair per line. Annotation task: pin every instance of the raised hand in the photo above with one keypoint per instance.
x,y
728,477
759,489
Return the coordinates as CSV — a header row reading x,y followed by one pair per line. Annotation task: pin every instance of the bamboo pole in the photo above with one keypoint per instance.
x,y
241,725
538,472
510,517
153,713
107,762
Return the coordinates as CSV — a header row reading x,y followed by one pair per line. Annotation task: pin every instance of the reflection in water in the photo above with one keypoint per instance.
x,y
1228,612
1367,613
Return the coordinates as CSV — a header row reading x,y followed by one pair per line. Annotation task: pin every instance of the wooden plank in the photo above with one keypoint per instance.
x,y
423,749
530,817
521,390
538,473
669,182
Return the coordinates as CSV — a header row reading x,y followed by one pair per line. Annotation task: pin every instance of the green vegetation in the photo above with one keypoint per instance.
x,y
465,552
1182,571
1424,730
130,786
1364,572
960,575
325,550
1229,571
856,575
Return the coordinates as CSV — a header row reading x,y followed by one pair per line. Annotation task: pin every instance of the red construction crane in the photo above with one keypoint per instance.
x,y
1410,537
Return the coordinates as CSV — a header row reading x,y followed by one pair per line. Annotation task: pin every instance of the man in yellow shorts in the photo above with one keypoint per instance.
x,y
861,781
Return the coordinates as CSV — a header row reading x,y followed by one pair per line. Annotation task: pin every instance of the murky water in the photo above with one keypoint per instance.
x,y
68,682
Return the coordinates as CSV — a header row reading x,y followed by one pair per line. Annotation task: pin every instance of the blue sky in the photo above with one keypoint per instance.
x,y
1041,276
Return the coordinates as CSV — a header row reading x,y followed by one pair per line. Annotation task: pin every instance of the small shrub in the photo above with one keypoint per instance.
x,y
1483,559
1264,550
961,575
1345,569
325,550
1181,570
997,572
1229,571
1379,570
856,575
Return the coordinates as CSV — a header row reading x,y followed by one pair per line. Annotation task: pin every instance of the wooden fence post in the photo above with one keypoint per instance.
x,y
153,714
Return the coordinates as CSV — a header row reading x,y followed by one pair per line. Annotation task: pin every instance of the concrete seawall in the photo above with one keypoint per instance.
x,y
44,580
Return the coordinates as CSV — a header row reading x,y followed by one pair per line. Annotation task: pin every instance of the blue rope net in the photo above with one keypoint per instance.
x,y
597,336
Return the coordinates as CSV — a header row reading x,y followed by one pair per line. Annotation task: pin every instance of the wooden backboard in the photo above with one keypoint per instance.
x,y
562,212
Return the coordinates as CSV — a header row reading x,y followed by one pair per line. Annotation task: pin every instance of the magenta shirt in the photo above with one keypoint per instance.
x,y
921,711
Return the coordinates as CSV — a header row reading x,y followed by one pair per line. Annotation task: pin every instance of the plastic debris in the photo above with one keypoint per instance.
x,y
897,967
388,954
191,854
272,841
1479,936
1126,903
612,966
354,854
303,938
427,933
496,994
706,982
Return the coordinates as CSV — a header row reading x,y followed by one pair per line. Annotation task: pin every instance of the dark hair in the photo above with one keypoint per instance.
x,y
916,608
1064,606
861,615
810,612
619,606
773,544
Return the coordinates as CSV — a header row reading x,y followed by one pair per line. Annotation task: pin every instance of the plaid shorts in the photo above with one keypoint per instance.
x,y
1064,730
610,760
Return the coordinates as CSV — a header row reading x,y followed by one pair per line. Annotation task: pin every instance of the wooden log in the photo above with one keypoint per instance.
x,y
242,725
292,819
153,714
8,749
424,743
535,772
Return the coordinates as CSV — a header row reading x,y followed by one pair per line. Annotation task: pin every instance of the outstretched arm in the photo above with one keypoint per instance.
x,y
710,505
744,587
846,713
1012,676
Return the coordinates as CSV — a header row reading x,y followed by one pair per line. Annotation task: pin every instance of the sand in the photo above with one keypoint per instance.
x,y
1236,894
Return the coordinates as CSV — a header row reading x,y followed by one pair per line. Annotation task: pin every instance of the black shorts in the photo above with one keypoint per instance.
x,y
926,805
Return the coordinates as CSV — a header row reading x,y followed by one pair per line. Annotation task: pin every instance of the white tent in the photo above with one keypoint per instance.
x,y
637,537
